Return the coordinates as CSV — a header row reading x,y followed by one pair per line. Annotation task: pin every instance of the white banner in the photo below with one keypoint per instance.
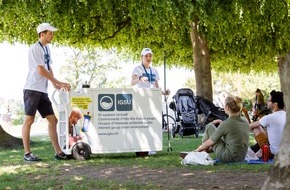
x,y
120,119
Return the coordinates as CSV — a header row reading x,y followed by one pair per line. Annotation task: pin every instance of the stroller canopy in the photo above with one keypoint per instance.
x,y
185,100
211,111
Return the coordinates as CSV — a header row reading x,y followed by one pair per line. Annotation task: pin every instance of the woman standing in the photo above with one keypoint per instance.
x,y
145,76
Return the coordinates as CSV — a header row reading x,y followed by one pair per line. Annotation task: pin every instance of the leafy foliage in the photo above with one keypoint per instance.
x,y
241,34
93,66
241,84
11,112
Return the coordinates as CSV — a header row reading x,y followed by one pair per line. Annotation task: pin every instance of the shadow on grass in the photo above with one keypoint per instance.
x,y
69,174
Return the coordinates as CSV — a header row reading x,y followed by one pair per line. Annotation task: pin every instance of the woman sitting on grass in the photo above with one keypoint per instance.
x,y
229,141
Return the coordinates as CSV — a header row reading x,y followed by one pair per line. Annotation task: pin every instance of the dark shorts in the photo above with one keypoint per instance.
x,y
37,101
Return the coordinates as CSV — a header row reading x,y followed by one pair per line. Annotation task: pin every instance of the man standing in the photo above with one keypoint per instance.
x,y
35,91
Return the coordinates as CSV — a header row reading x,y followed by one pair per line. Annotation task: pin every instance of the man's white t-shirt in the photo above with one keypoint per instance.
x,y
275,124
151,73
34,80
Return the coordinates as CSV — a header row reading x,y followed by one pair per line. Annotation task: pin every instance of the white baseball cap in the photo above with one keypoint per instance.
x,y
45,26
146,51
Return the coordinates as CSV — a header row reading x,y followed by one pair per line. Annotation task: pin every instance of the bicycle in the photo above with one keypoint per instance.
x,y
171,124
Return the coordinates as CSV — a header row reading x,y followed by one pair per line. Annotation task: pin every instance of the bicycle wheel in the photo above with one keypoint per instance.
x,y
171,122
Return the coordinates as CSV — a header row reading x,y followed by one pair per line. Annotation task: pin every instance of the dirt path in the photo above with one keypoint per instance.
x,y
185,178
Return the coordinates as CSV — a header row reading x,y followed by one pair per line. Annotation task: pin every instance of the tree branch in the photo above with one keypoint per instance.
x,y
120,25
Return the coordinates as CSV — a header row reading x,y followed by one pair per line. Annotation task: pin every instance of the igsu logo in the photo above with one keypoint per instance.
x,y
124,102
107,102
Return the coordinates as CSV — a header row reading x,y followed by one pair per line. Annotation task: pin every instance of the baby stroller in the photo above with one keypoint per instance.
x,y
186,114
210,111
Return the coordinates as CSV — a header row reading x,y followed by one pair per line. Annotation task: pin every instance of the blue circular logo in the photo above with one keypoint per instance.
x,y
106,102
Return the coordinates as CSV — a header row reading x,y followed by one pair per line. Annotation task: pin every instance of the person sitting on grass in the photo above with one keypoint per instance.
x,y
274,123
229,141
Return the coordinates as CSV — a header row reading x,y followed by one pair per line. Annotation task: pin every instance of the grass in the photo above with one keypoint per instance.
x,y
51,174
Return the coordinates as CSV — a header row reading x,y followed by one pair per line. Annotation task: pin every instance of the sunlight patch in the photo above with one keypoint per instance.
x,y
78,178
188,174
42,165
15,151
9,169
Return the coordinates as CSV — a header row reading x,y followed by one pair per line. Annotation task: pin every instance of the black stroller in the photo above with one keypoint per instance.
x,y
210,111
186,113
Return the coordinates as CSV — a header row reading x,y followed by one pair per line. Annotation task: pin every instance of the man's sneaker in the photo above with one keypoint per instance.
x,y
61,156
31,158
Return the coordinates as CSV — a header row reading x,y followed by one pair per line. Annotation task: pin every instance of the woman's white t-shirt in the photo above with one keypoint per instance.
x,y
151,73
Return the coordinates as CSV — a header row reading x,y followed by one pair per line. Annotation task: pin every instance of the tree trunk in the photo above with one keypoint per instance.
x,y
201,60
279,172
8,141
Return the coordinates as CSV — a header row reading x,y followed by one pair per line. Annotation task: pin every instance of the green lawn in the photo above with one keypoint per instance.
x,y
17,174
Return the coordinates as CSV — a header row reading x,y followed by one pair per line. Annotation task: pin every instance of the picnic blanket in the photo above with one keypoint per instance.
x,y
259,161
203,158
251,158
247,162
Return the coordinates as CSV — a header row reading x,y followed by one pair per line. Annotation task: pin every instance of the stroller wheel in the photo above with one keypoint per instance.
x,y
196,134
201,127
173,131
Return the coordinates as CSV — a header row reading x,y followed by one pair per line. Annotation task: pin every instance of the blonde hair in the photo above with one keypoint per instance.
x,y
234,103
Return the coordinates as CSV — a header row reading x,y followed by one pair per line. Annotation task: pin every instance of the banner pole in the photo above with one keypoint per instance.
x,y
166,106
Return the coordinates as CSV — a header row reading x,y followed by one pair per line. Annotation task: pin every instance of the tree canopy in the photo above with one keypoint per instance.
x,y
242,35
231,34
